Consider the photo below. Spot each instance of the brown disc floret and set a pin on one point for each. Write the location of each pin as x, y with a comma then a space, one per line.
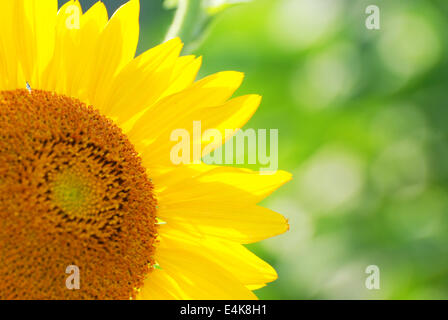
73, 191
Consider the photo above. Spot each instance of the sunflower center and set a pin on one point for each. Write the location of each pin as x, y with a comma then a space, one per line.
73, 191
72, 194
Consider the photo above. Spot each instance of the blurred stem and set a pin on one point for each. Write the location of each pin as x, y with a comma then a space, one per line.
189, 23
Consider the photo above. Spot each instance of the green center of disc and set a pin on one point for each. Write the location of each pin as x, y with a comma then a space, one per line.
72, 194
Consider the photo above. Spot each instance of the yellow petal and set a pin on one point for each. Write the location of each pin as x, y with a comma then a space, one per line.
152, 132
232, 115
44, 22
234, 257
141, 82
33, 29
221, 203
242, 224
25, 40
200, 278
184, 74
255, 286
95, 19
9, 63
226, 119
115, 48
71, 67
160, 286
161, 119
55, 74
165, 177
245, 185
80, 67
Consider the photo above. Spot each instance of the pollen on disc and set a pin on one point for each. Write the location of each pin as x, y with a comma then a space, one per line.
73, 191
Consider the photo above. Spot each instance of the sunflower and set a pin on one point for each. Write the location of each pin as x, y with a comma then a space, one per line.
85, 173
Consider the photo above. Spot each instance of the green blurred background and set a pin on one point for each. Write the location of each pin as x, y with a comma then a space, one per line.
362, 126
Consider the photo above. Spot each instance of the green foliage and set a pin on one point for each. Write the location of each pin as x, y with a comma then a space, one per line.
362, 125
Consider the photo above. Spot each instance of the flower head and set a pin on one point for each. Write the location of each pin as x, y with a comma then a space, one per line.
85, 171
